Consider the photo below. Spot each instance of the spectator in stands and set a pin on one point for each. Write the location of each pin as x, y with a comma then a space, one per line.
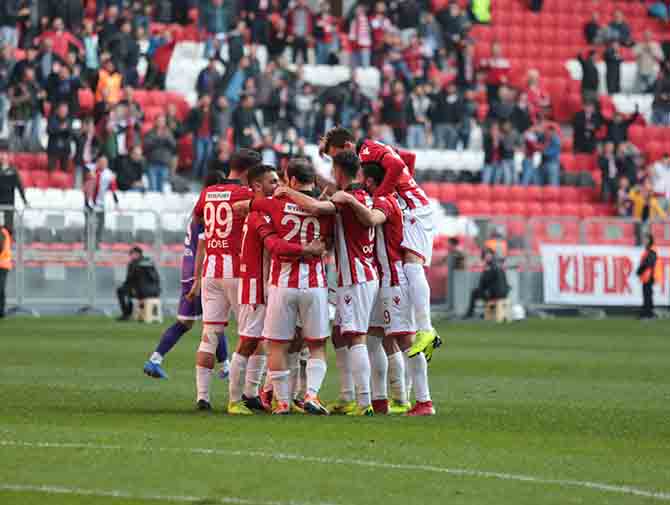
46, 59
26, 99
100, 181
7, 63
491, 172
122, 131
10, 183
536, 5
110, 24
586, 124
278, 37
125, 52
539, 101
590, 76
325, 120
300, 29
619, 31
533, 140
649, 274
660, 177
630, 162
613, 60
521, 117
445, 115
660, 108
110, 81
360, 35
200, 123
497, 69
382, 28
551, 165
659, 10
173, 122
208, 79
235, 84
131, 174
88, 149
609, 168
247, 131
90, 41
592, 30
492, 283
220, 162
160, 148
29, 32
417, 118
216, 17
61, 40
305, 114
430, 32
480, 11
617, 127
63, 87
503, 109
269, 152
624, 205
510, 143
9, 16
61, 136
454, 25
161, 60
394, 113
645, 205
648, 55
142, 281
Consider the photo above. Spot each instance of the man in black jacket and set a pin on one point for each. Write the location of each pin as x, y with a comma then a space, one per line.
61, 136
10, 181
492, 283
200, 122
585, 124
445, 113
646, 272
590, 77
245, 125
142, 281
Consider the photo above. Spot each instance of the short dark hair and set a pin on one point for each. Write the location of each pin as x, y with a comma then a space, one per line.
136, 250
302, 170
244, 159
259, 171
374, 171
650, 241
214, 177
349, 162
454, 241
337, 137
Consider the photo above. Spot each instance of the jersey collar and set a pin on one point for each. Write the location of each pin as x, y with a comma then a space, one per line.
232, 181
354, 187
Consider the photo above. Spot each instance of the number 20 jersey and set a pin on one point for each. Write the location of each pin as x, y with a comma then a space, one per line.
223, 229
296, 226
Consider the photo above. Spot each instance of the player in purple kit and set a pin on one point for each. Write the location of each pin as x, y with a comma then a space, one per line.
190, 308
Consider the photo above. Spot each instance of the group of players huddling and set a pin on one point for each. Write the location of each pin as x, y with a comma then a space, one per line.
256, 247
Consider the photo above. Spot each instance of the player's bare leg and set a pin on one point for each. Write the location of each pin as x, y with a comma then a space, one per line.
379, 367
316, 372
345, 402
360, 364
278, 372
419, 296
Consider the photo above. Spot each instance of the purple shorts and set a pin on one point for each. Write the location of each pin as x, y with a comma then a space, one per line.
189, 310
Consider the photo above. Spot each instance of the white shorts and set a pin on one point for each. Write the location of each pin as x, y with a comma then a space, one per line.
250, 321
285, 305
219, 299
354, 306
393, 312
418, 230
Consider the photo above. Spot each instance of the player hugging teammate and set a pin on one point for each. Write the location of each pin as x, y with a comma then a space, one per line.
263, 250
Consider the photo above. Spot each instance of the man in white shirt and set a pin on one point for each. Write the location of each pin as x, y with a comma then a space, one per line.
660, 177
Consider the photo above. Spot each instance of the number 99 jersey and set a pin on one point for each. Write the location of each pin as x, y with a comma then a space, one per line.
223, 229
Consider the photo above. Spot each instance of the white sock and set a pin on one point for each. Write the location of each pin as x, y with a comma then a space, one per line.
252, 380
419, 369
156, 358
397, 377
280, 385
316, 372
294, 369
238, 367
203, 377
379, 368
408, 374
360, 365
419, 294
343, 362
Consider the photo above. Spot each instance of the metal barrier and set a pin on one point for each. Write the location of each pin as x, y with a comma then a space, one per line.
73, 260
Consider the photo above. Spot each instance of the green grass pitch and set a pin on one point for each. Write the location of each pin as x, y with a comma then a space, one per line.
535, 413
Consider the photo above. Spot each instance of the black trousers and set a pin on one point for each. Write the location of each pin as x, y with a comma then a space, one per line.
9, 219
647, 300
3, 284
474, 296
125, 301
300, 46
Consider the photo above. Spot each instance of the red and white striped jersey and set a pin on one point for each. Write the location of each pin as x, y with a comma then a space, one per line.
389, 237
296, 226
354, 243
223, 229
398, 178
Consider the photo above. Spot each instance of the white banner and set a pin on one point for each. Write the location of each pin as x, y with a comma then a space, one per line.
599, 275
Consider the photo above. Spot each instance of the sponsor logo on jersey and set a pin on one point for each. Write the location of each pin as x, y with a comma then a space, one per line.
365, 151
218, 196
292, 208
347, 299
396, 300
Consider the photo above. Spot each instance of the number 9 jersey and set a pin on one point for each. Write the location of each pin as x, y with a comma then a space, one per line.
223, 229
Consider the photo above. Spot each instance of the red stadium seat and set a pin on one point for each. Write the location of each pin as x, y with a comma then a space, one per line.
447, 192
569, 194
552, 209
586, 210
517, 209
500, 193
570, 209
517, 193
483, 208
466, 191
39, 179
499, 208
533, 194
551, 194
484, 193
466, 208
432, 189
533, 209
61, 180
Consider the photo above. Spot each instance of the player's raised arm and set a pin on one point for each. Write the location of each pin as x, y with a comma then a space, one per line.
308, 203
393, 166
366, 216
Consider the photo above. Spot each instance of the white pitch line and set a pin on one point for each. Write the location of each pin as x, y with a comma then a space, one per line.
226, 500
598, 486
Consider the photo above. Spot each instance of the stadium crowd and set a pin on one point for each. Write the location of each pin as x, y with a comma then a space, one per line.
435, 90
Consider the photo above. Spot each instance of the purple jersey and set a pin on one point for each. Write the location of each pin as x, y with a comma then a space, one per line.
193, 233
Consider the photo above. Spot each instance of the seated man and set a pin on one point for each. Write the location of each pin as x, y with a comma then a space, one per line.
142, 281
492, 283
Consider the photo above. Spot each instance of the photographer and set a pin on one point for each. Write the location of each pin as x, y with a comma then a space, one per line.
492, 283
142, 281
